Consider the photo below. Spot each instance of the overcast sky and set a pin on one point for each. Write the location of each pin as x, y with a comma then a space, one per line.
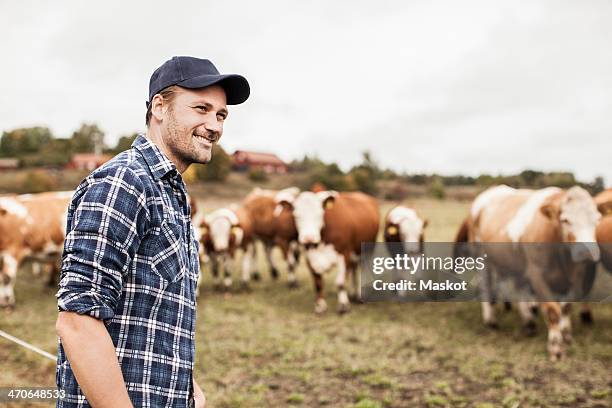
426, 86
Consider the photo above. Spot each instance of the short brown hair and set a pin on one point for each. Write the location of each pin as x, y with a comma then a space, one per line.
167, 94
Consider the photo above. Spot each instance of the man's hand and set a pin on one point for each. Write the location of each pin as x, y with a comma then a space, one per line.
93, 360
198, 395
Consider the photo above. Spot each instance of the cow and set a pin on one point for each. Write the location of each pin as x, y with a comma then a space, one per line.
331, 227
223, 233
32, 226
603, 232
403, 224
549, 216
273, 225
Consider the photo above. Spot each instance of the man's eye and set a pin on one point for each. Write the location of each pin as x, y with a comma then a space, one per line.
221, 117
202, 108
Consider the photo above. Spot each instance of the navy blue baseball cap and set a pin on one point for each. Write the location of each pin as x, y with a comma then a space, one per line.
193, 73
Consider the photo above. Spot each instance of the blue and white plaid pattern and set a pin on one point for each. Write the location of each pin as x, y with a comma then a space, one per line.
131, 259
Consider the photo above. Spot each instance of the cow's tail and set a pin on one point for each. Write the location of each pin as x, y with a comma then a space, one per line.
462, 237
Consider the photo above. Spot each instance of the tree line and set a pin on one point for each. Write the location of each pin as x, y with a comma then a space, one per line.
37, 147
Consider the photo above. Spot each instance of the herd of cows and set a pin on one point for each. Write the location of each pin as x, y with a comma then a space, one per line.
328, 227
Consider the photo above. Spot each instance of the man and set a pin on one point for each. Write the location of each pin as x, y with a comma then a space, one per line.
130, 263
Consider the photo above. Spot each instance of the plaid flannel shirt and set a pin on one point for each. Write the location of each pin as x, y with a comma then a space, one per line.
131, 260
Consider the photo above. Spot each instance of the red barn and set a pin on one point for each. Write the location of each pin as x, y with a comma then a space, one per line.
87, 161
268, 162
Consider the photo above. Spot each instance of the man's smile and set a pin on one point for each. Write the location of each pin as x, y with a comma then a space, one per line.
207, 139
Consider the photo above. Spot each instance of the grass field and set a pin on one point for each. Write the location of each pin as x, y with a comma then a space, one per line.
266, 348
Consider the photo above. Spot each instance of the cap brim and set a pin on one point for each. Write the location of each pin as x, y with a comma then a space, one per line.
237, 89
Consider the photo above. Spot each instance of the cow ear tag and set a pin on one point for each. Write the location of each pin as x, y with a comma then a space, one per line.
329, 204
235, 229
392, 230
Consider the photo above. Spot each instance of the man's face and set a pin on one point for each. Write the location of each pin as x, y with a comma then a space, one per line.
193, 122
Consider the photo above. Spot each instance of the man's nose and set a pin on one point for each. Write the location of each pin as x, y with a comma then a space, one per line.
215, 126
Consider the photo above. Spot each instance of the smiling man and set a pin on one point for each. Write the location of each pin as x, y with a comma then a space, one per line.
126, 300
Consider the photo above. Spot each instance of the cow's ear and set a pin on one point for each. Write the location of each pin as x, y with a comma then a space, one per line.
603, 208
329, 202
3, 211
328, 198
283, 205
550, 211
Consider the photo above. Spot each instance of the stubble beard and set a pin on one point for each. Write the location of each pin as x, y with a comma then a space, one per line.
180, 142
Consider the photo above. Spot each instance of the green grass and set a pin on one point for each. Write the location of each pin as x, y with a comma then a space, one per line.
266, 348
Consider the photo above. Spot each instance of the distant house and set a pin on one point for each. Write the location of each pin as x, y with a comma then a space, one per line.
87, 161
268, 162
9, 163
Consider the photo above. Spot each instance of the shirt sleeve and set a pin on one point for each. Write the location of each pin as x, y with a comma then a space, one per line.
103, 234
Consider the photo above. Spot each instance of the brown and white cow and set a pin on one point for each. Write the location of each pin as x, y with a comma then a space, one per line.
223, 233
403, 224
332, 226
273, 225
31, 226
603, 233
551, 215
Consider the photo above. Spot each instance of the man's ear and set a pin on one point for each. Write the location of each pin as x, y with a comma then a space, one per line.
158, 107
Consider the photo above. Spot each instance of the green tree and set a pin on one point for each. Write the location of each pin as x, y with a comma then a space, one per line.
598, 185
56, 153
331, 176
258, 176
436, 188
19, 142
217, 169
366, 174
87, 138
125, 142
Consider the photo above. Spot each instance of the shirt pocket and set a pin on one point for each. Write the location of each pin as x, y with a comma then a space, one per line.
171, 258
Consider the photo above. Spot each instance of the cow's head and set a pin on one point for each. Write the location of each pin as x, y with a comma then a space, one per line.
404, 225
223, 230
308, 212
576, 214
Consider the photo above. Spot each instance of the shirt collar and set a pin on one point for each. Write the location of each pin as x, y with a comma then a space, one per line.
157, 161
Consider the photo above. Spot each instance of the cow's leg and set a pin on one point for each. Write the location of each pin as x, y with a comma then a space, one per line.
552, 314
273, 268
53, 274
355, 295
215, 269
8, 275
586, 316
320, 304
292, 253
529, 324
227, 271
343, 300
565, 323
36, 268
247, 260
198, 284
488, 311
255, 275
